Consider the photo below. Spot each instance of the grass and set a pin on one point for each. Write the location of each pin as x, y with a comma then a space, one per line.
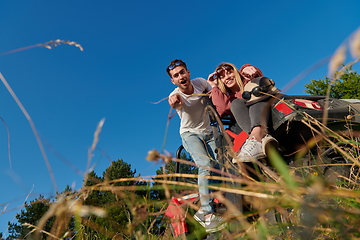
278, 200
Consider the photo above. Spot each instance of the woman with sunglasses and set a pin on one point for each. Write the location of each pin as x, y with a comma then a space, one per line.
227, 95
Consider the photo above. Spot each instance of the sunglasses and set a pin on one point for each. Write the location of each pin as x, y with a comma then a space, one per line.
174, 65
256, 91
222, 70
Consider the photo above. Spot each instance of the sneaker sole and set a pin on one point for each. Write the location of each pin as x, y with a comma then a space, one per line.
216, 229
248, 159
202, 223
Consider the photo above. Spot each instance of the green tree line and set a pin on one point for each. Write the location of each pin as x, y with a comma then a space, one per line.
125, 210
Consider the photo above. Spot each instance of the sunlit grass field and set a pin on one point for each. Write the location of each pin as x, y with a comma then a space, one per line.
277, 199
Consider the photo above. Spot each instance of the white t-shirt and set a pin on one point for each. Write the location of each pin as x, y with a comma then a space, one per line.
192, 114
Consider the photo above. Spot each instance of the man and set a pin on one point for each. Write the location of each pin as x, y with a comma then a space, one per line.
196, 134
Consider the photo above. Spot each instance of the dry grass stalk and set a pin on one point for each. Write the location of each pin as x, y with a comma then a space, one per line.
337, 60
92, 148
37, 136
355, 44
8, 147
35, 228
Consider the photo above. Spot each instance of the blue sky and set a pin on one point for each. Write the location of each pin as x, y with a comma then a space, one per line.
121, 72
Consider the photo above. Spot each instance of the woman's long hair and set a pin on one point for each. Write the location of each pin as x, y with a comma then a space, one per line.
238, 79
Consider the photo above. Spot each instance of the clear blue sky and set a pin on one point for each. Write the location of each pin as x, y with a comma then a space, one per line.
127, 46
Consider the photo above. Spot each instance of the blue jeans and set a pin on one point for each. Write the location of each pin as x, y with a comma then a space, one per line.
201, 147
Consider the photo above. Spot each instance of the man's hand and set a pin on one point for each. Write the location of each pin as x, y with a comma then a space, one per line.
175, 101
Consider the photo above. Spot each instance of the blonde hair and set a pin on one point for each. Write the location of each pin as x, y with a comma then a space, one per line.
238, 78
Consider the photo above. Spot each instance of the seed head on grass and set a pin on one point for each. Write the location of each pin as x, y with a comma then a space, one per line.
154, 155
55, 43
336, 61
355, 44
49, 45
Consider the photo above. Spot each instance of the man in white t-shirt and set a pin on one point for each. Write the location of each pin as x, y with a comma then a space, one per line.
196, 134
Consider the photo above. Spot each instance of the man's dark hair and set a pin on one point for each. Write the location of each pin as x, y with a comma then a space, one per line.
175, 63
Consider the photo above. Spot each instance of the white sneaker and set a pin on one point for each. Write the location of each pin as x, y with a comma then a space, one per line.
267, 142
251, 150
211, 223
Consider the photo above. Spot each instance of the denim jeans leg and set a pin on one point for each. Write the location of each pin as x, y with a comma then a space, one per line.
197, 145
211, 147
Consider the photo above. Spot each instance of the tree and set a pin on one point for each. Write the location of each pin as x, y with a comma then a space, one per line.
347, 87
126, 202
170, 168
116, 208
126, 211
31, 214
174, 167
117, 170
